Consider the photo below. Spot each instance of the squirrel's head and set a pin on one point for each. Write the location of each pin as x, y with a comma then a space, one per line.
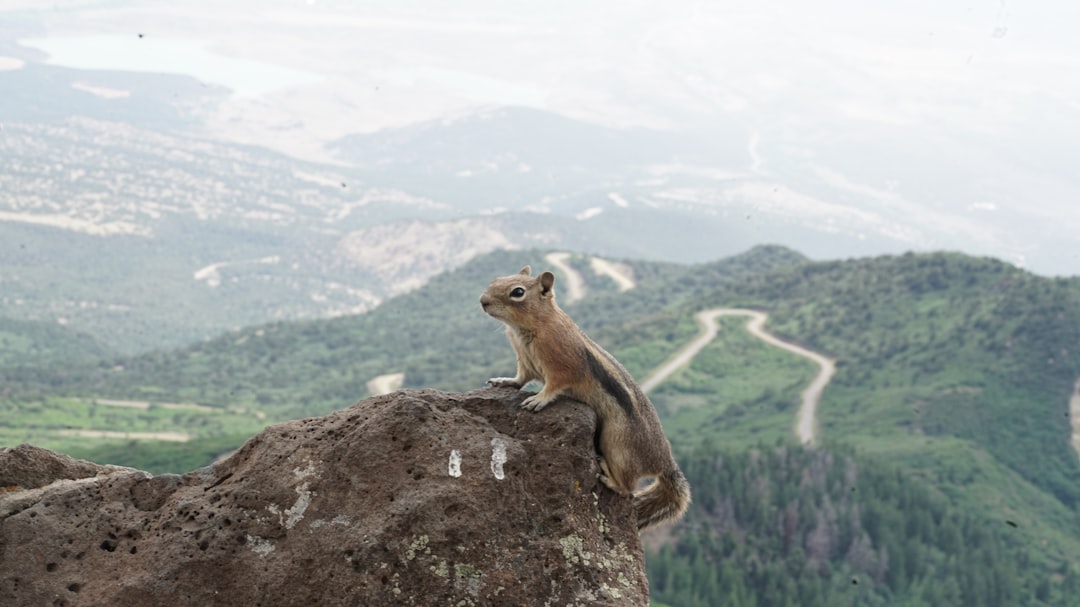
514, 299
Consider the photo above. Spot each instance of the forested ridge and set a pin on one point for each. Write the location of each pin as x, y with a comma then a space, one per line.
437, 336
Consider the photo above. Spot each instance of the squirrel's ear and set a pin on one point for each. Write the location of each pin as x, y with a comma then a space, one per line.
547, 280
526, 271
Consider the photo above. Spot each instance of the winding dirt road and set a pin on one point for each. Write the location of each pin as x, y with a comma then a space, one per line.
575, 284
805, 427
616, 272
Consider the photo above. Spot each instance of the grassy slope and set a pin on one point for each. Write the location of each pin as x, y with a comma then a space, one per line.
437, 336
160, 457
738, 391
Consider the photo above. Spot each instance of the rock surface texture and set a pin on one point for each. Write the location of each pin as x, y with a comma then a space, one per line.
413, 498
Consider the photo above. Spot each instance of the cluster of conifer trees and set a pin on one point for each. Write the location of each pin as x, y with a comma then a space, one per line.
786, 526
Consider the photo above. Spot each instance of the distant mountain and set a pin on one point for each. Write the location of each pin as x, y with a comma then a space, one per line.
522, 158
138, 228
690, 195
150, 238
517, 139
131, 225
45, 93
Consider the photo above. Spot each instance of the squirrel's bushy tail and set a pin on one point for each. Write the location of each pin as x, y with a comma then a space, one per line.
666, 499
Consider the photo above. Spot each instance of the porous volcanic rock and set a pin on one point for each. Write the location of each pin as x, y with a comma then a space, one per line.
412, 498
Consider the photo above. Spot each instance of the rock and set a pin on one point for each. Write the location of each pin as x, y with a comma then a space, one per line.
413, 498
30, 467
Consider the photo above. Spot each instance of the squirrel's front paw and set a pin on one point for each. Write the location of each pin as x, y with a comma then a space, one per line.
504, 382
537, 401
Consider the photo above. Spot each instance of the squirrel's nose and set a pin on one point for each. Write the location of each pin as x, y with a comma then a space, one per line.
484, 300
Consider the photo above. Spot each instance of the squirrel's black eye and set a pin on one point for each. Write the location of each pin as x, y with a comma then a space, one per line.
517, 293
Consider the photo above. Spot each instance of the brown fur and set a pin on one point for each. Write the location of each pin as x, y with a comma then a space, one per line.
552, 349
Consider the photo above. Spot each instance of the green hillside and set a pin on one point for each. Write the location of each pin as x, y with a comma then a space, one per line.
959, 367
941, 345
437, 336
26, 344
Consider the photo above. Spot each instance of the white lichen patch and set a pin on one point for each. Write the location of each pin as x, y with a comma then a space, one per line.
293, 515
455, 463
260, 545
304, 473
498, 457
296, 513
340, 519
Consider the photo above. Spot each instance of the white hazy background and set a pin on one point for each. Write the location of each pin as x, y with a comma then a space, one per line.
959, 116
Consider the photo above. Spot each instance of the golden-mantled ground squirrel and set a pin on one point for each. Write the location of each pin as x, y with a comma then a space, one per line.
552, 349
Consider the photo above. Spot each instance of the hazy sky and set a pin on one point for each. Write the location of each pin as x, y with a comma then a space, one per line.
965, 115
896, 61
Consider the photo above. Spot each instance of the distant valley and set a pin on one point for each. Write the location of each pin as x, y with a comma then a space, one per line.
147, 238
129, 222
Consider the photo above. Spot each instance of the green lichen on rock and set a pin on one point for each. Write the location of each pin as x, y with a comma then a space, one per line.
441, 569
420, 544
466, 571
612, 592
574, 550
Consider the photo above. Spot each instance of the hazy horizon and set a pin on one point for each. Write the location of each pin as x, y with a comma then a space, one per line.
944, 124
